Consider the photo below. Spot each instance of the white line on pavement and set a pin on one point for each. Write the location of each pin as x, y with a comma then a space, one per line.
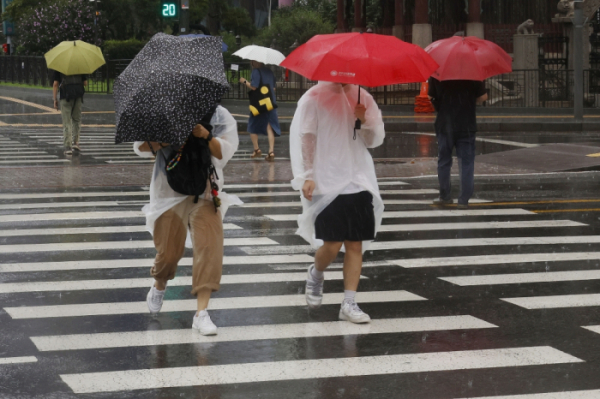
250, 333
112, 381
496, 259
182, 305
524, 278
432, 214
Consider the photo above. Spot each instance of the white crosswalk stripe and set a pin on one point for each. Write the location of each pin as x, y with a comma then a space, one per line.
249, 333
270, 301
309, 369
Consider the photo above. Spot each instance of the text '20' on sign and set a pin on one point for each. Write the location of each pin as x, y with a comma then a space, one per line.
170, 9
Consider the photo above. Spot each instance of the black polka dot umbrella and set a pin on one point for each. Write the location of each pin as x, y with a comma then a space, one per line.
167, 89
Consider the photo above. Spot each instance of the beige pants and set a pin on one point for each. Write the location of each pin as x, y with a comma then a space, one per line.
71, 117
206, 228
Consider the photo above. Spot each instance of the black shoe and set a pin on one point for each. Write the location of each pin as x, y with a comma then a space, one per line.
440, 201
462, 206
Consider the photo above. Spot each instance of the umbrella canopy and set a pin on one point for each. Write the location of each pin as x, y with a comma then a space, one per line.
168, 87
365, 59
224, 46
75, 58
468, 58
261, 54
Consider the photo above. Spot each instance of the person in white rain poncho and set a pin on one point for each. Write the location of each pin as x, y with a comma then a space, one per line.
335, 172
170, 214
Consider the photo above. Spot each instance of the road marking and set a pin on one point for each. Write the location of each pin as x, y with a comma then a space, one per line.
115, 245
183, 305
37, 217
566, 210
299, 204
432, 213
314, 369
127, 283
88, 230
75, 195
594, 394
26, 157
252, 333
30, 104
524, 278
42, 205
574, 201
15, 360
449, 243
495, 259
149, 262
22, 161
480, 225
555, 301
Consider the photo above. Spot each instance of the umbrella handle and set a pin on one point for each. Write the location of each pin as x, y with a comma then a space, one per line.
357, 123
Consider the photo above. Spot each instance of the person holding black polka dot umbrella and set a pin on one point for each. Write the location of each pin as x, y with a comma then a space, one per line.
167, 102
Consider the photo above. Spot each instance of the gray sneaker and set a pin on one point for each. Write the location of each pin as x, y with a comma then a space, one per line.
440, 201
154, 299
313, 290
350, 311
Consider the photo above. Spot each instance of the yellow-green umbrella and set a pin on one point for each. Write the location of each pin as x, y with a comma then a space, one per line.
75, 58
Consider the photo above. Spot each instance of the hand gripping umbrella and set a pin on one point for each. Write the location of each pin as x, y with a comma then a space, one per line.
365, 59
167, 89
468, 58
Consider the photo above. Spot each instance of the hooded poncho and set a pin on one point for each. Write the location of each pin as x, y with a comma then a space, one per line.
322, 149
162, 196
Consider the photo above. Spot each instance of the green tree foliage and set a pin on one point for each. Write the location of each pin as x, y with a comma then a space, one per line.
238, 21
139, 19
46, 26
291, 24
122, 49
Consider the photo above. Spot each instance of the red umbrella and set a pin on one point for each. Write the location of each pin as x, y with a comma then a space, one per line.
365, 59
468, 58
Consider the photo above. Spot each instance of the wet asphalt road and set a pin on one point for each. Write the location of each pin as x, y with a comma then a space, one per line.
501, 299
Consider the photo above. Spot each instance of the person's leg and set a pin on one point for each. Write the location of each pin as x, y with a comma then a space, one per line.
465, 151
271, 135
65, 112
169, 241
444, 165
206, 227
349, 310
315, 278
352, 264
326, 254
257, 152
76, 121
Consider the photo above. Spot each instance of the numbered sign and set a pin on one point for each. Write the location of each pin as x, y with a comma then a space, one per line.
170, 9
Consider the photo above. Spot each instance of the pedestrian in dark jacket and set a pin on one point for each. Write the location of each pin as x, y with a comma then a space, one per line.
455, 127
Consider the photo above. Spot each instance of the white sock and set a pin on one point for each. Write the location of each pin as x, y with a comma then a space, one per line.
349, 295
202, 313
317, 275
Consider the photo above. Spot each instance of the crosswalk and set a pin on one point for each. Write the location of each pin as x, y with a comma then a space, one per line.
446, 289
26, 146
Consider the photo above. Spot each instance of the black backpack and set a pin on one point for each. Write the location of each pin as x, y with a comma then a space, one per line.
72, 87
190, 167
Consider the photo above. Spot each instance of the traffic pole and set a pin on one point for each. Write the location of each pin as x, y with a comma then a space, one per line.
578, 62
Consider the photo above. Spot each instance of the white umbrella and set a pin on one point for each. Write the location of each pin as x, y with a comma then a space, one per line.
261, 54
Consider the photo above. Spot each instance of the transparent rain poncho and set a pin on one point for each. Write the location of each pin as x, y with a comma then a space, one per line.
322, 149
162, 196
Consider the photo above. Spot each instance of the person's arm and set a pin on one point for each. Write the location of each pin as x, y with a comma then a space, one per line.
155, 146
247, 84
372, 130
254, 80
481, 93
213, 145
55, 94
309, 145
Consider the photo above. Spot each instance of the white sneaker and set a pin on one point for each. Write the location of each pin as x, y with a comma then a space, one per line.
154, 299
204, 324
313, 290
351, 312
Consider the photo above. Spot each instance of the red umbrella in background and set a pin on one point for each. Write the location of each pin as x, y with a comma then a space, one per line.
364, 59
468, 58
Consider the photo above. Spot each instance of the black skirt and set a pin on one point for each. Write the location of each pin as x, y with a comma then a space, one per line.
349, 217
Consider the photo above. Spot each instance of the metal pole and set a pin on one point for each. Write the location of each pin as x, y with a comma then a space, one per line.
578, 62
